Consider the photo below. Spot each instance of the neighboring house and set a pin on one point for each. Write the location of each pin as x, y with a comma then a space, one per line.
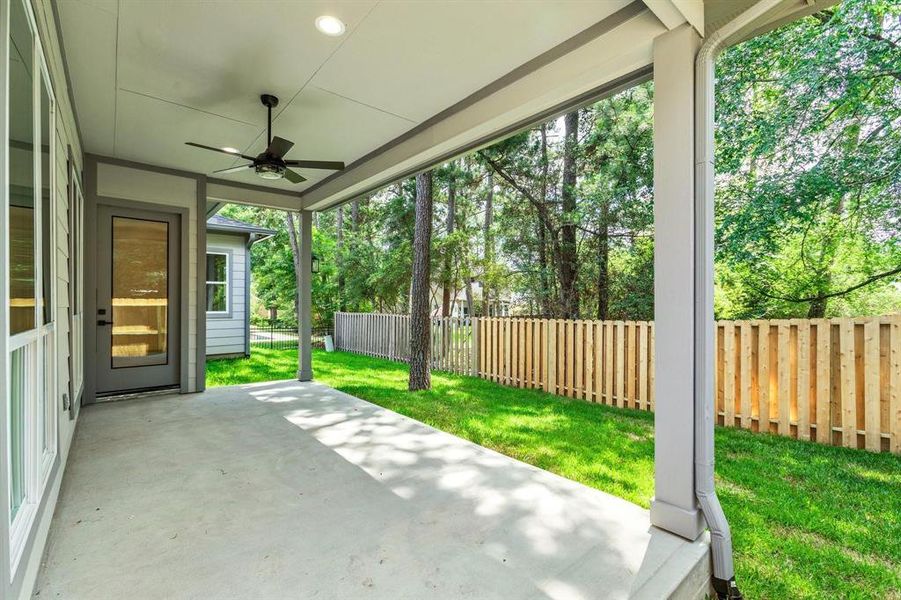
498, 307
228, 245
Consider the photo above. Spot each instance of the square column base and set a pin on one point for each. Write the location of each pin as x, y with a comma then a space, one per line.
304, 375
689, 524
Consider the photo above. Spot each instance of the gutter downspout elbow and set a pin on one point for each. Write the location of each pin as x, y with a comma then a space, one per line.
720, 535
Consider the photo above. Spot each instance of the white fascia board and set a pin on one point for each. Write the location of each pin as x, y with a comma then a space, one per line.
622, 50
236, 193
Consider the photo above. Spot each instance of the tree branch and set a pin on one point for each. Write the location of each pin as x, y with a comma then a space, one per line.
863, 283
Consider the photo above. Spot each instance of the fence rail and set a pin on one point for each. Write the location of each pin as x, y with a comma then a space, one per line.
835, 381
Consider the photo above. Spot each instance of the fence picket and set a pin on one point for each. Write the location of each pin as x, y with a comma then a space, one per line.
784, 375
728, 374
608, 363
747, 356
823, 386
620, 377
763, 377
804, 387
550, 365
894, 413
848, 383
589, 361
871, 385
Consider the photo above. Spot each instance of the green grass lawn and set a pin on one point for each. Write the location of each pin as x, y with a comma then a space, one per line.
808, 521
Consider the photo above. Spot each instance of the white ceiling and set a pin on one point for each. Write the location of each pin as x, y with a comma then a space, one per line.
149, 76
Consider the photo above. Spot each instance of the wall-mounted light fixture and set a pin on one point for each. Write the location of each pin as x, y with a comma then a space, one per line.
314, 263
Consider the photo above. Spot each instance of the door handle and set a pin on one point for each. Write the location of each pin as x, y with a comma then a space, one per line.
102, 322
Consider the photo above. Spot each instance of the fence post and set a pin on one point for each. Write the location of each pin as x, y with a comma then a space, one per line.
894, 415
474, 346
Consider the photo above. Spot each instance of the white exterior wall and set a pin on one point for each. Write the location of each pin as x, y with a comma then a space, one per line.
226, 334
116, 181
20, 583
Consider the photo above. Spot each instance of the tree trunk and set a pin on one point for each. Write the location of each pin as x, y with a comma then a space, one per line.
420, 332
339, 248
295, 255
469, 306
447, 275
817, 308
355, 214
544, 291
603, 264
568, 269
488, 238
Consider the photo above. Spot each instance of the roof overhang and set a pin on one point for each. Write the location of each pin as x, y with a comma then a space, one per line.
147, 78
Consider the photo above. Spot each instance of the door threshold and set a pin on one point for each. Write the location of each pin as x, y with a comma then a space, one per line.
135, 394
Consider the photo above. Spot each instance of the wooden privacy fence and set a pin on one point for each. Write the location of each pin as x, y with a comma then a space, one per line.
835, 381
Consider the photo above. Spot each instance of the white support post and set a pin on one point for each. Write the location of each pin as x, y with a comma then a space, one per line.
304, 298
674, 507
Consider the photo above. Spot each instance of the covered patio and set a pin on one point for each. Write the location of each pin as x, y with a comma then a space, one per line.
270, 489
291, 489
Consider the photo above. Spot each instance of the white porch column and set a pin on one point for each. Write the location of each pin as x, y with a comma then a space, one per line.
674, 507
304, 298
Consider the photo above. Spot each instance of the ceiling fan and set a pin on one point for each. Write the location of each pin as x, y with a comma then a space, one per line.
271, 164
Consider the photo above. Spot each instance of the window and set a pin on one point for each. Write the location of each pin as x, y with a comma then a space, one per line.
31, 232
217, 292
22, 293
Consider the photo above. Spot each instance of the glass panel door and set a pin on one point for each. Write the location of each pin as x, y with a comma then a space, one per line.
140, 302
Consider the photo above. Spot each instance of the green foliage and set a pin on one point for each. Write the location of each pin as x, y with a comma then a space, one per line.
808, 133
808, 521
809, 165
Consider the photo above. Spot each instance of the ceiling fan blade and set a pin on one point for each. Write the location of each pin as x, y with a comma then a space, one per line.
316, 164
294, 177
196, 145
234, 169
279, 147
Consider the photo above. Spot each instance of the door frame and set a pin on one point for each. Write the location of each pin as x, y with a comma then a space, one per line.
93, 201
146, 375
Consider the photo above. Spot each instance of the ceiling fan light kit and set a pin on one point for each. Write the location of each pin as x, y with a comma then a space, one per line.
271, 163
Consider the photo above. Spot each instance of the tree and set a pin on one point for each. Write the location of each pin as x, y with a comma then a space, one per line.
809, 166
420, 323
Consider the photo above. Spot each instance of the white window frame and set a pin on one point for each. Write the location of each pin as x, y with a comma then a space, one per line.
76, 282
226, 283
38, 343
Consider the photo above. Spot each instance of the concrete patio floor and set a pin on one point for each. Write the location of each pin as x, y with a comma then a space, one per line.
295, 490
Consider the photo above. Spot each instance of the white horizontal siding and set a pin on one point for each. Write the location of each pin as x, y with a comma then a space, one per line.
226, 335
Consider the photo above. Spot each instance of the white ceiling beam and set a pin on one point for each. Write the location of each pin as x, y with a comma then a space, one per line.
673, 13
234, 192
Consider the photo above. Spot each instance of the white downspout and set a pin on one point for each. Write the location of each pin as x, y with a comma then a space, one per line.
721, 538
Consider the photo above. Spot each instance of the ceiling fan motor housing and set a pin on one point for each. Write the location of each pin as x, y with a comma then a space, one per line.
269, 169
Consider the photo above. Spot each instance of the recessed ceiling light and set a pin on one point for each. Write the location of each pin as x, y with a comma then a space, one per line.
330, 25
232, 150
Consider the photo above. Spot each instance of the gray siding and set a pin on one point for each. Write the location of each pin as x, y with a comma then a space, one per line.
225, 334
